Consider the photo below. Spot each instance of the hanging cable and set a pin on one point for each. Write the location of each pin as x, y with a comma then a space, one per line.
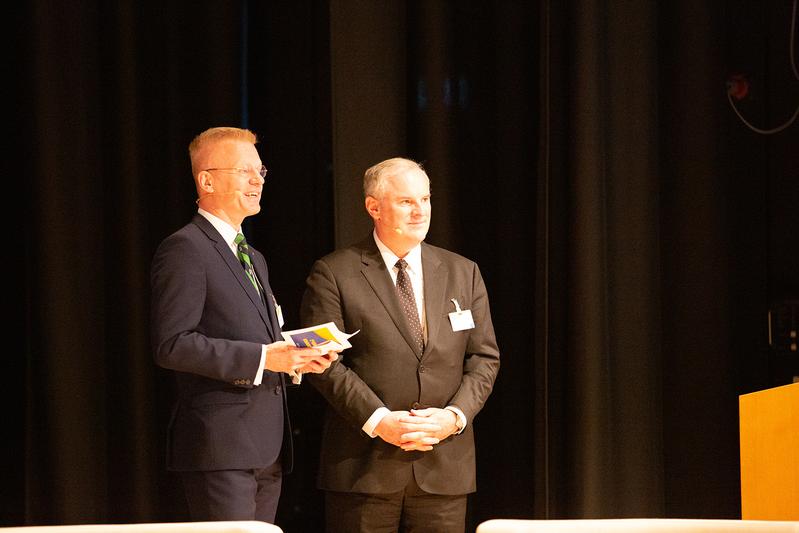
738, 87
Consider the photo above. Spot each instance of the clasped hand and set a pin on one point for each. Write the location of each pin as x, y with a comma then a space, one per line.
283, 356
418, 429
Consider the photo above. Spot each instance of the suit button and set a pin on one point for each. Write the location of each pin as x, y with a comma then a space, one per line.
422, 368
278, 389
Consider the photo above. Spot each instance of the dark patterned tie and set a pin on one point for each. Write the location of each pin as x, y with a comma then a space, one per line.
246, 262
408, 303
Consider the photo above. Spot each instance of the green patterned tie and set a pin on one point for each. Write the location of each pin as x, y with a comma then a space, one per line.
246, 262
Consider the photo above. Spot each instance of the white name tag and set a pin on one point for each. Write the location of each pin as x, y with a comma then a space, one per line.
460, 319
278, 312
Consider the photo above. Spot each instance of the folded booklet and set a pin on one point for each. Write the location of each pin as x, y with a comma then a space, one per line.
326, 336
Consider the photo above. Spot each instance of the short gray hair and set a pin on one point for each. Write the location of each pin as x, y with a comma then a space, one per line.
375, 177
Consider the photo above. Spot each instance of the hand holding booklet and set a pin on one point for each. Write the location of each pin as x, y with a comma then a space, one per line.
325, 336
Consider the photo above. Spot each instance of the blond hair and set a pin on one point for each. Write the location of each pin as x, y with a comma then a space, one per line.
213, 136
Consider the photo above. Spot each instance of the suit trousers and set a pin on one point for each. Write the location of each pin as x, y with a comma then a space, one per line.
233, 494
411, 510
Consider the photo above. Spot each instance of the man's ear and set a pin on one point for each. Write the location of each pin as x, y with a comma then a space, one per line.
205, 181
372, 207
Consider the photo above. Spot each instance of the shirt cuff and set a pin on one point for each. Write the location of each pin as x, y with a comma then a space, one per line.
259, 376
374, 420
460, 415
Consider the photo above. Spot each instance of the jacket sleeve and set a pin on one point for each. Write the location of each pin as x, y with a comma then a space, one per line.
344, 390
190, 332
481, 363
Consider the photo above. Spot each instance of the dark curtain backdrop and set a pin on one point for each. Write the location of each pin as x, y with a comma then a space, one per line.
114, 94
659, 215
601, 360
632, 232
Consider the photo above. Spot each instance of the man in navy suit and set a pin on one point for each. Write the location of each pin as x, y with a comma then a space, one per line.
216, 324
398, 444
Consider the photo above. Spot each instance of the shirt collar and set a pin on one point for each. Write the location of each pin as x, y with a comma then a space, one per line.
227, 231
413, 258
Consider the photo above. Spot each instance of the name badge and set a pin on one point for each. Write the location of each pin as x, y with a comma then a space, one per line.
278, 312
460, 319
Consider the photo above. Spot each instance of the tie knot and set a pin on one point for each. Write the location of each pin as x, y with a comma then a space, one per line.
240, 240
401, 264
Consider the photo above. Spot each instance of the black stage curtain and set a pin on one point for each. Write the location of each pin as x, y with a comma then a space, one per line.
114, 93
600, 328
658, 224
631, 230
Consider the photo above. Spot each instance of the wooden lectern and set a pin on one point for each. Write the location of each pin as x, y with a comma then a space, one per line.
769, 424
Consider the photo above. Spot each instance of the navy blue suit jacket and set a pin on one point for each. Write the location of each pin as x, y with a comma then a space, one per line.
208, 325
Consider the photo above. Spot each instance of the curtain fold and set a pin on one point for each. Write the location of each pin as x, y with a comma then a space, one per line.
109, 180
600, 338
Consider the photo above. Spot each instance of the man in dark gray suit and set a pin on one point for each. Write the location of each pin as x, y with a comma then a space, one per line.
216, 324
397, 448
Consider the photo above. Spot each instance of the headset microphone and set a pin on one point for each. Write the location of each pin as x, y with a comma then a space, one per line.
197, 201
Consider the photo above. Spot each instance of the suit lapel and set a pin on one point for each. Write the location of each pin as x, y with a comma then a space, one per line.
374, 270
269, 298
226, 254
435, 275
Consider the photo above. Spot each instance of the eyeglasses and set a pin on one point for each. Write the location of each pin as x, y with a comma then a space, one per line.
243, 172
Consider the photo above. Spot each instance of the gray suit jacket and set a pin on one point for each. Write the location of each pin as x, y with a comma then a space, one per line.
353, 288
208, 325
